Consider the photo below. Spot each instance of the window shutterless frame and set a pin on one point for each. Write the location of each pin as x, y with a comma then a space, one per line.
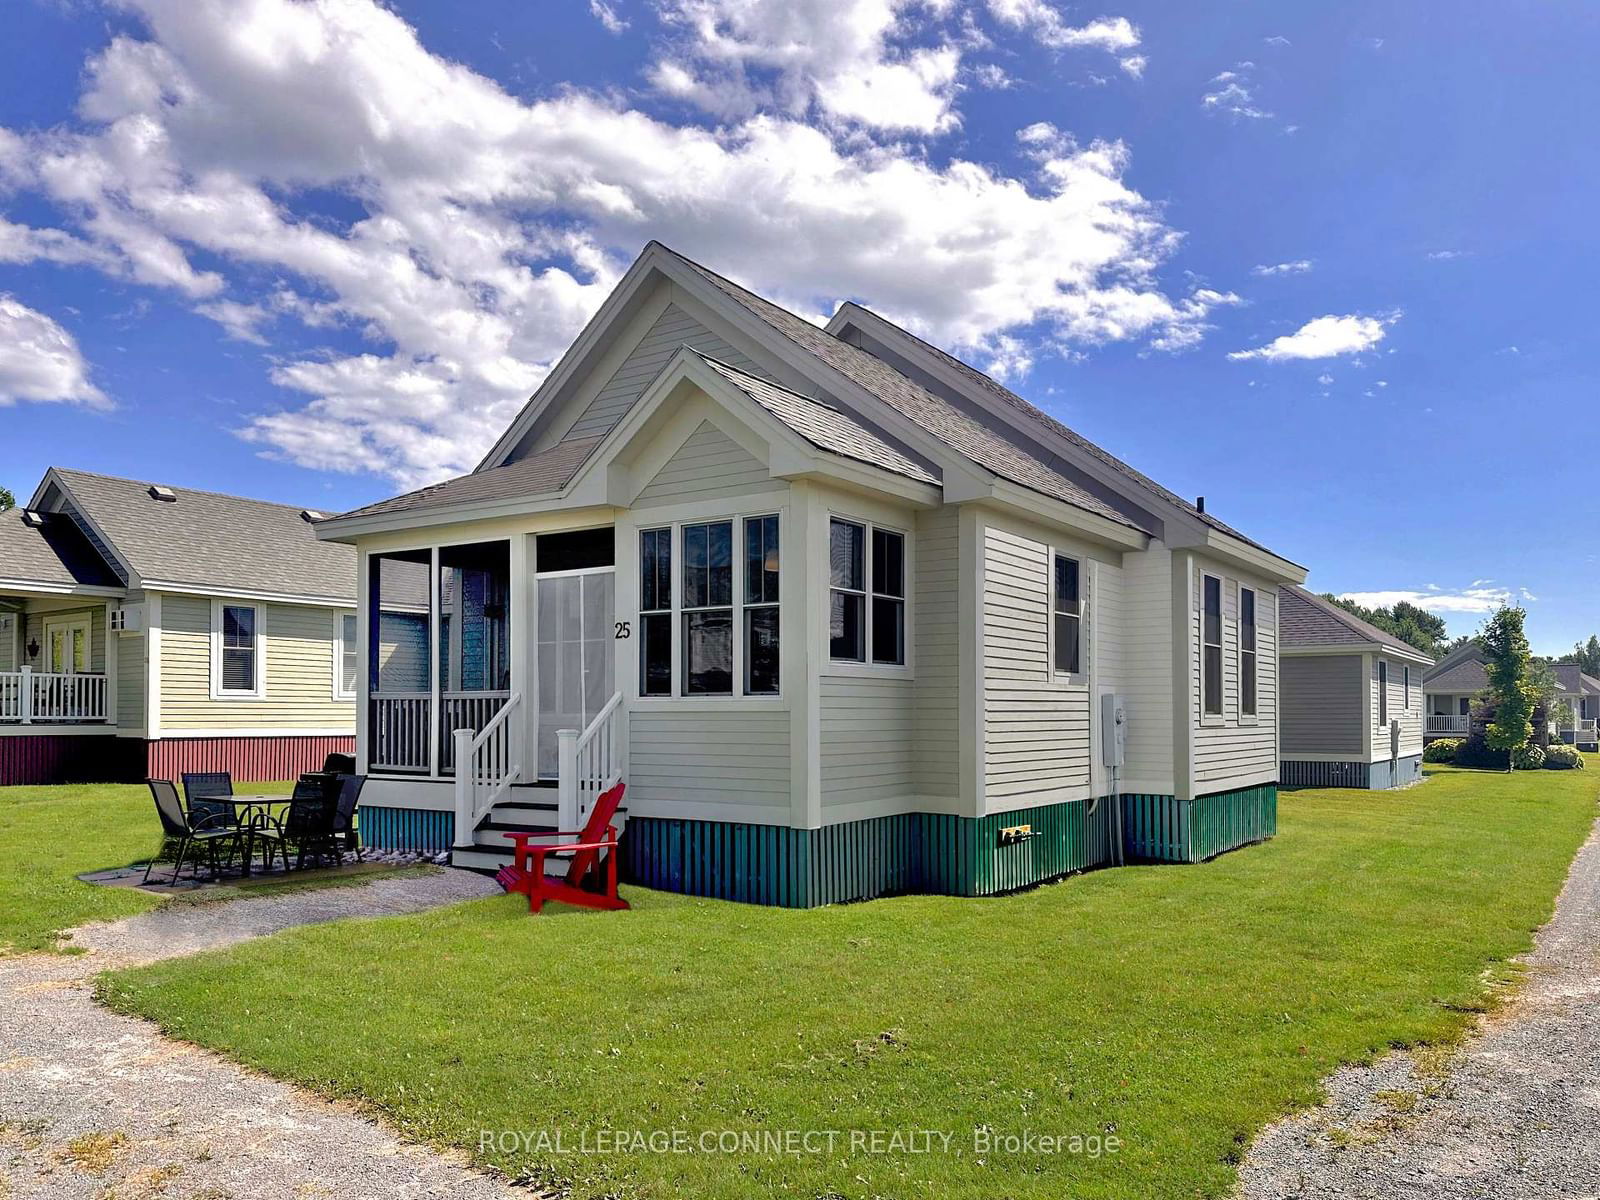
709, 625
1211, 645
346, 657
867, 573
1066, 615
1383, 692
1405, 679
1247, 652
238, 651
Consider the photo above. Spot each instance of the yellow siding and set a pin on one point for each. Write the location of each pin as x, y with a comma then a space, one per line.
299, 671
130, 680
44, 612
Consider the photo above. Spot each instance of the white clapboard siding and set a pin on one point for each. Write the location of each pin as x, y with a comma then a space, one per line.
1410, 719
866, 739
1036, 732
1147, 687
299, 671
725, 757
936, 599
708, 465
1235, 753
672, 329
1323, 707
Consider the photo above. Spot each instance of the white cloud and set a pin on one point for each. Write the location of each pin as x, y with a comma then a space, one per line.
1233, 92
1323, 337
1276, 40
606, 14
1446, 255
1475, 599
1325, 379
41, 361
1134, 64
1298, 267
491, 228
1046, 24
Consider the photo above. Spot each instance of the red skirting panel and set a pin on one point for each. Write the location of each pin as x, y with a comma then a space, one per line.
245, 758
57, 758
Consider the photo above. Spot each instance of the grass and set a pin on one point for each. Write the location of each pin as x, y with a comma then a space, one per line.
50, 835
1175, 1009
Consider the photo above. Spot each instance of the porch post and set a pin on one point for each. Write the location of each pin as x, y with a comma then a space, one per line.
466, 818
521, 651
27, 694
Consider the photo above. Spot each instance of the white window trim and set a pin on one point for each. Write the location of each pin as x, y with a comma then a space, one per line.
78, 623
1250, 718
339, 648
851, 666
1405, 679
1080, 677
217, 691
737, 699
1382, 710
1220, 717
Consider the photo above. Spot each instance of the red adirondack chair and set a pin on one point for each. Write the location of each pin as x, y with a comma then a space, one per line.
526, 874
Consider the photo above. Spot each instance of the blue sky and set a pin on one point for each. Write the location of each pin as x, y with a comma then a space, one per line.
1330, 265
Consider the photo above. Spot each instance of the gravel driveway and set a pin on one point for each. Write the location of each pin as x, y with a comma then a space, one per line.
1516, 1114
93, 1104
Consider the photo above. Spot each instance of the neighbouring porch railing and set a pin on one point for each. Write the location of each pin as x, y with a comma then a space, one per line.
400, 726
488, 766
589, 762
1450, 723
1584, 728
28, 697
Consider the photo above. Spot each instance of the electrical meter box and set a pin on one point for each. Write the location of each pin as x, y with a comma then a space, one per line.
1113, 730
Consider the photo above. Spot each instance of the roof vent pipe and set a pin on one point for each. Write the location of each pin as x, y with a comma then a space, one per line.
1200, 503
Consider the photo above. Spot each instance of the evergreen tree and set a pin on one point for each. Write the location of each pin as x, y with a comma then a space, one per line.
1511, 685
7, 500
1412, 625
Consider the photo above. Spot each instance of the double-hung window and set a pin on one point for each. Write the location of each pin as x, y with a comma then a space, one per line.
1066, 616
346, 661
1211, 638
1383, 693
1405, 680
866, 594
1247, 652
236, 666
722, 603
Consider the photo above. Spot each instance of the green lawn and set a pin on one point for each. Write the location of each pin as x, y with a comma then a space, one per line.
50, 835
1176, 1008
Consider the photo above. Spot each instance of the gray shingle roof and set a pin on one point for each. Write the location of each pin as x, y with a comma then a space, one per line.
212, 540
1039, 417
1306, 620
1574, 682
821, 424
56, 553
535, 475
1467, 675
933, 413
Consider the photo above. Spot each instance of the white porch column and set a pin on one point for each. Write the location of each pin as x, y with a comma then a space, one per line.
27, 694
524, 642
567, 773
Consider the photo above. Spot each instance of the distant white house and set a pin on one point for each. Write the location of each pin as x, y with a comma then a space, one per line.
849, 617
148, 630
1453, 684
1352, 698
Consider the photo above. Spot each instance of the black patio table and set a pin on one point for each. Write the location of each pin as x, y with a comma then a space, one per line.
252, 804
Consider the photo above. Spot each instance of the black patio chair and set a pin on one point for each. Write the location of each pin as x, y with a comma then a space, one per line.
208, 795
344, 813
188, 831
306, 826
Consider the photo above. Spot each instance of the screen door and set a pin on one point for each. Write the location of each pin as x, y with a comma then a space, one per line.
575, 617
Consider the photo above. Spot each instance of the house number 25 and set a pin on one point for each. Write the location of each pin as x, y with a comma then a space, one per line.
623, 630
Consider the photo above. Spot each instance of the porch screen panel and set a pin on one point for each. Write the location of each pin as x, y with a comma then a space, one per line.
474, 640
559, 615
400, 696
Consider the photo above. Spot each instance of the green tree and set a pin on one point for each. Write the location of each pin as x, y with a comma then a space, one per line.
1515, 692
1412, 625
7, 500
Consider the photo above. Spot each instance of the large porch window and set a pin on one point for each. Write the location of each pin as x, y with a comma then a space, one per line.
439, 652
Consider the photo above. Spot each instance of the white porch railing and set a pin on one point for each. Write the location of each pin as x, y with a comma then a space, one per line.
1583, 727
486, 767
28, 696
1451, 723
589, 762
398, 731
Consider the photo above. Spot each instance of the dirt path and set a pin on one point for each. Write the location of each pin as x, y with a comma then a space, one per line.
1516, 1114
93, 1104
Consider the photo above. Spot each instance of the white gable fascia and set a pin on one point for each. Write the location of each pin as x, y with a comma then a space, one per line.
52, 476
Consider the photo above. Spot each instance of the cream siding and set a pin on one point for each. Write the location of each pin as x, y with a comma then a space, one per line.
130, 680
1036, 729
1410, 718
1231, 751
713, 764
10, 631
936, 728
41, 613
1323, 705
1145, 616
672, 329
299, 671
867, 739
708, 465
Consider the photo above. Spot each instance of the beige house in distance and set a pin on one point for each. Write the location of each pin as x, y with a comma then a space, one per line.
148, 630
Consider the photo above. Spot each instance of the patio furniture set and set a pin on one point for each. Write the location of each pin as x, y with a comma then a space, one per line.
213, 824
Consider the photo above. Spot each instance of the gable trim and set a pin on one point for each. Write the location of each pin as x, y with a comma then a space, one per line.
121, 566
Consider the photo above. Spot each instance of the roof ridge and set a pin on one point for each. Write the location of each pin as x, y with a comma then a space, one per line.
149, 483
1350, 621
743, 374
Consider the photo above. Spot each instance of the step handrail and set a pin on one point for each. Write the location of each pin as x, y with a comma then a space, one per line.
588, 762
486, 766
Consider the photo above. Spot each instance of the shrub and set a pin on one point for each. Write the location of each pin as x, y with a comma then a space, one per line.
1475, 752
1441, 750
1528, 758
1563, 758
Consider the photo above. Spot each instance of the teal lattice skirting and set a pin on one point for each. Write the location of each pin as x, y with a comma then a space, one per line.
406, 828
933, 852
